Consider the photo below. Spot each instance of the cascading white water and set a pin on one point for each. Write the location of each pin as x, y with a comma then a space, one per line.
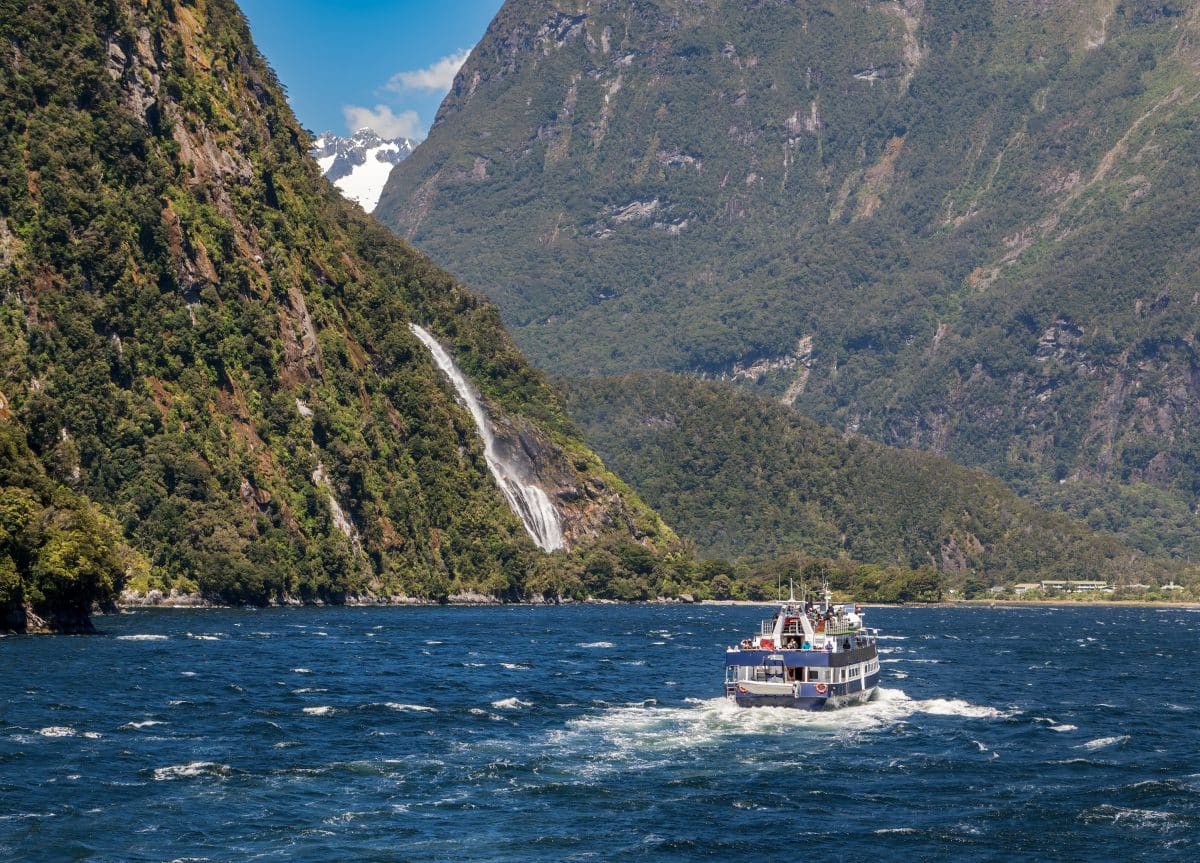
527, 500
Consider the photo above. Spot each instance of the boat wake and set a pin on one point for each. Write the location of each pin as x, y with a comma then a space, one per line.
649, 728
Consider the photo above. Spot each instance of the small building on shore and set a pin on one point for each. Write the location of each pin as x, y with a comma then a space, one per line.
1074, 586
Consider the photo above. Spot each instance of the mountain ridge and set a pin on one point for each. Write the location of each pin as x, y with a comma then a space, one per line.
206, 349
956, 227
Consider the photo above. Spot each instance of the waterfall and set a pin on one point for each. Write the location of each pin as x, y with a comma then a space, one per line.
527, 500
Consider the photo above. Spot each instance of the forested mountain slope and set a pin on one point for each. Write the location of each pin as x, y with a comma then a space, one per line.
205, 353
968, 227
747, 478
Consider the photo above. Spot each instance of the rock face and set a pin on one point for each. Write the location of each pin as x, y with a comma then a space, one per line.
360, 164
24, 620
978, 215
204, 350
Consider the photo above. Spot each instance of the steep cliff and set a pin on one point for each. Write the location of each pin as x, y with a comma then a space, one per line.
202, 339
964, 227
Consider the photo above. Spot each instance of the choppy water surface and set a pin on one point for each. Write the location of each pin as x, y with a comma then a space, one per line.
594, 733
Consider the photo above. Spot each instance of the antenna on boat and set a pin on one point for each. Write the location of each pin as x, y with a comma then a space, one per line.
791, 591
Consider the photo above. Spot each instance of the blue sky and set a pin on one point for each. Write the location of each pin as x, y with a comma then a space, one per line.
367, 62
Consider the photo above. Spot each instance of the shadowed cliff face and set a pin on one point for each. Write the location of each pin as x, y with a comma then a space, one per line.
959, 227
198, 335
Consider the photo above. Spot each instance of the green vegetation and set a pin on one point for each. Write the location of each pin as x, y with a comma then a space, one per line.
204, 350
58, 552
969, 228
743, 478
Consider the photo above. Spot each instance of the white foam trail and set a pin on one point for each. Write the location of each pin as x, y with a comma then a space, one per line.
323, 710
1064, 727
415, 708
202, 637
515, 666
644, 729
527, 500
57, 731
596, 644
145, 723
511, 704
1102, 742
958, 707
188, 771
142, 637
1153, 818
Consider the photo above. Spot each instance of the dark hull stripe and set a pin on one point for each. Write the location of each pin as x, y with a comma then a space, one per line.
808, 701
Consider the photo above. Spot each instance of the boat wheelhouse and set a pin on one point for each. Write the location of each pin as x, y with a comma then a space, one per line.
808, 656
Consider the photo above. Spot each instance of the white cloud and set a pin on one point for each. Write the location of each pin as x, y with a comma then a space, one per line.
435, 78
385, 121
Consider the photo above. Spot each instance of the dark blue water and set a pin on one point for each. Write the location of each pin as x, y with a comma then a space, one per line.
595, 733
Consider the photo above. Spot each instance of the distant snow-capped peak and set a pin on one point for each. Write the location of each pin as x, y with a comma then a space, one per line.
359, 165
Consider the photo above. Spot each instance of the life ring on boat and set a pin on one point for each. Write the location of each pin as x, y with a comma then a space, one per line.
821, 688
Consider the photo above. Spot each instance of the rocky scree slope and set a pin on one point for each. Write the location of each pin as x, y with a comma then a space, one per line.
201, 339
969, 228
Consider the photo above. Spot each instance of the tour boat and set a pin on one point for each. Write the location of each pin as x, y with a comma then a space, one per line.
808, 656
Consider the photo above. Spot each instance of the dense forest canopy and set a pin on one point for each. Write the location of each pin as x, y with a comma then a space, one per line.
748, 479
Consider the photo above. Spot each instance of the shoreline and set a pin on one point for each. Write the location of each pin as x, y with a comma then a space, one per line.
130, 602
1085, 603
